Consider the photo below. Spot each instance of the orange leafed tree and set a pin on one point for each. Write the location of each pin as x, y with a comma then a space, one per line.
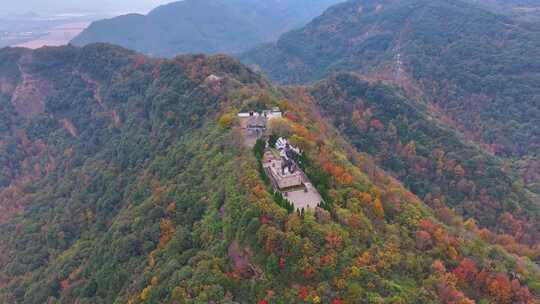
499, 288
167, 231
333, 239
365, 198
466, 271
378, 208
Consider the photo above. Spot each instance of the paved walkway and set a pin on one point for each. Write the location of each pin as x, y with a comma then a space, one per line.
302, 199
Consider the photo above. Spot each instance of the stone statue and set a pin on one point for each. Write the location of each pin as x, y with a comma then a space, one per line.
289, 164
287, 155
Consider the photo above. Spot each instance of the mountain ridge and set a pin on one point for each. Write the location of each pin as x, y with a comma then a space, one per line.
207, 26
417, 149
162, 202
480, 59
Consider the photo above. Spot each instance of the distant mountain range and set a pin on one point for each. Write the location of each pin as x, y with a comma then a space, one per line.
478, 68
528, 10
204, 26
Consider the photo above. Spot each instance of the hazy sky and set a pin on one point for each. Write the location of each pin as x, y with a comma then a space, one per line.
77, 6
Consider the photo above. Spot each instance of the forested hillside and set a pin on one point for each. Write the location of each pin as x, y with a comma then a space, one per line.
477, 70
451, 174
126, 181
204, 26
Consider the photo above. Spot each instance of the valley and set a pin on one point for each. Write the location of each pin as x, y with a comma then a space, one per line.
31, 30
203, 26
56, 36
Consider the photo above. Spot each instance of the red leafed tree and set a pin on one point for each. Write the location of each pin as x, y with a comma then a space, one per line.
466, 271
140, 60
499, 287
309, 272
333, 239
448, 294
376, 124
303, 292
510, 224
265, 219
326, 260
291, 116
427, 225
423, 240
521, 294
281, 263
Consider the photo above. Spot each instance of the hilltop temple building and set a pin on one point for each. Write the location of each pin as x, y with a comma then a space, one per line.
288, 178
255, 123
281, 178
279, 161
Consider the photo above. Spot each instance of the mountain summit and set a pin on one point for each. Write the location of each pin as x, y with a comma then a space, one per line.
126, 179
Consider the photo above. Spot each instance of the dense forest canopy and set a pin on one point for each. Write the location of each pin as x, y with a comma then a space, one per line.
127, 182
477, 68
432, 160
126, 178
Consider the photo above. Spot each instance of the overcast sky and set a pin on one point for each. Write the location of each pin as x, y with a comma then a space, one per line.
78, 6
